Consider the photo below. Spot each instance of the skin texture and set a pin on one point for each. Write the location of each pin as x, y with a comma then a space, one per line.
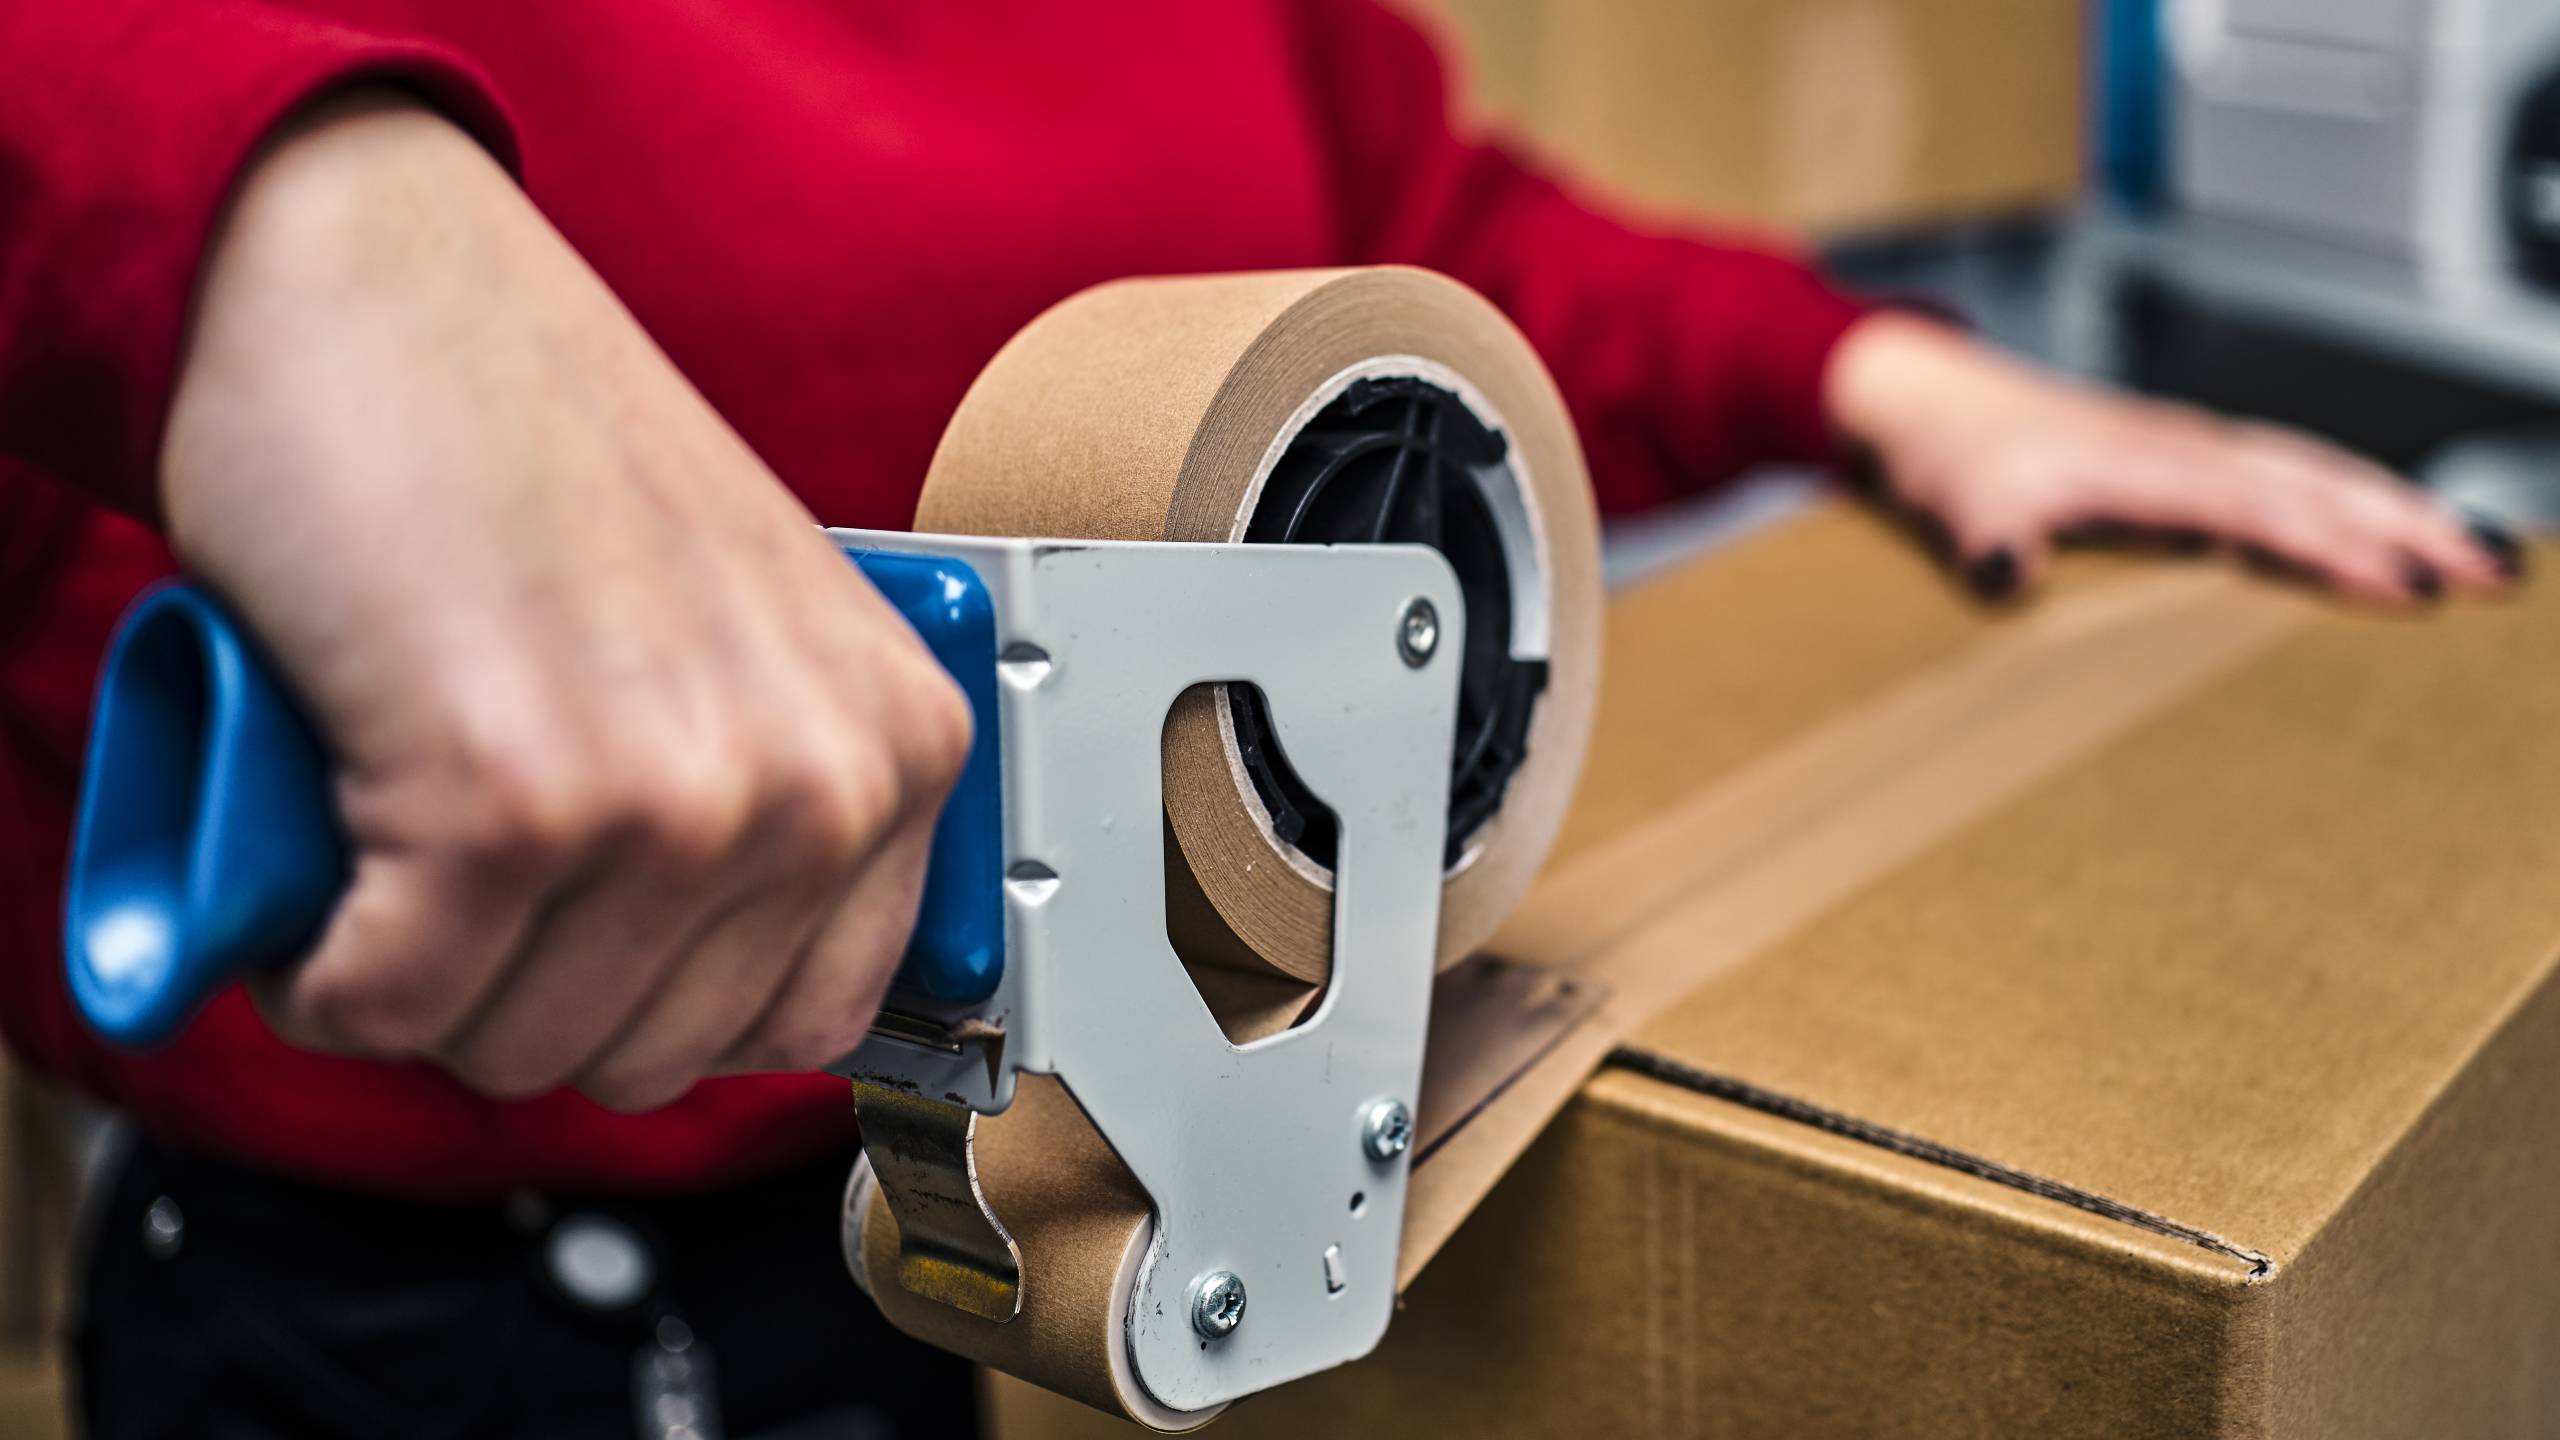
639, 774
2006, 458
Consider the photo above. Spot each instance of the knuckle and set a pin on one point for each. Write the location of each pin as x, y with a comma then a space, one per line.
636, 1091
950, 732
804, 1041
2283, 524
833, 810
939, 728
2364, 569
2373, 508
523, 810
544, 805
2188, 425
515, 783
367, 1010
2426, 524
509, 1076
680, 804
691, 816
823, 1022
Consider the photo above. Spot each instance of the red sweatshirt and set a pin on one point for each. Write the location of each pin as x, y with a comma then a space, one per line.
829, 215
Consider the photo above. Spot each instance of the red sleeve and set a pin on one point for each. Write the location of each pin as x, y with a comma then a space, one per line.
122, 126
1685, 357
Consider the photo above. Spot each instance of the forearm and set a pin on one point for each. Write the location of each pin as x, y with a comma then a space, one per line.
348, 193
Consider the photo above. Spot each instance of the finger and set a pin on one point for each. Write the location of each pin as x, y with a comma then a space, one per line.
2184, 479
822, 825
2305, 534
416, 943
2002, 542
2501, 545
2395, 513
723, 982
583, 970
660, 828
2220, 482
823, 1010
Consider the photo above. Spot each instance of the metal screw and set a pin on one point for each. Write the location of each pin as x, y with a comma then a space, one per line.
1386, 1131
1418, 633
1217, 1304
164, 1229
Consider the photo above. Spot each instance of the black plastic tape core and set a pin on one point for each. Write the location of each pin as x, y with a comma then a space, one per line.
1395, 461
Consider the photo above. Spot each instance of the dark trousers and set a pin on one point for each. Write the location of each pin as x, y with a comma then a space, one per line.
224, 1303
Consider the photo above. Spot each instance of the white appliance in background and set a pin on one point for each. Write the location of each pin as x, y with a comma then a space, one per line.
2387, 126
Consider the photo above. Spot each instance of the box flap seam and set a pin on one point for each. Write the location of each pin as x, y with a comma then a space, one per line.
1656, 1066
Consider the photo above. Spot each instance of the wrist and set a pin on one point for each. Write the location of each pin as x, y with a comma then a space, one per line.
338, 181
335, 212
1892, 373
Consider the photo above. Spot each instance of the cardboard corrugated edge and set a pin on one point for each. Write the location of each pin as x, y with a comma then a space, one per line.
2416, 1249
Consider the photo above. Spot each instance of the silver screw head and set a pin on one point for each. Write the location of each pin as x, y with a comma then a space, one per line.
1386, 1129
1217, 1304
1418, 633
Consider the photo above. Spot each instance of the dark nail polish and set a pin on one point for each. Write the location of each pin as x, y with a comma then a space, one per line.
2423, 581
1995, 575
2501, 543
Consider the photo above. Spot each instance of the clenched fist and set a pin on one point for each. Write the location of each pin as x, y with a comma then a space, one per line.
638, 772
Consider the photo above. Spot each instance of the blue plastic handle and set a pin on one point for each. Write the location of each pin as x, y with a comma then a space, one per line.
209, 846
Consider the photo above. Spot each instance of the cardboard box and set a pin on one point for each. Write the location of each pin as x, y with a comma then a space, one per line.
2187, 1074
1816, 114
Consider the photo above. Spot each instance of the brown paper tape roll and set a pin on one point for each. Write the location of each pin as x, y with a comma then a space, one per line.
1082, 1225
1158, 410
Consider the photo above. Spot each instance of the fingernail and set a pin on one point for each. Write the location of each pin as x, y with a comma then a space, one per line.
1995, 575
2423, 581
2501, 543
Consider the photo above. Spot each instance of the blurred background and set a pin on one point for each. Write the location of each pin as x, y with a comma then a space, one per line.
2339, 214
2342, 214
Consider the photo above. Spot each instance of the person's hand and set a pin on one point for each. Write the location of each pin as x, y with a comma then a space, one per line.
638, 772
2006, 459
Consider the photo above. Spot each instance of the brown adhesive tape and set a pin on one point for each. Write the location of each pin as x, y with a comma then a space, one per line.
1155, 410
